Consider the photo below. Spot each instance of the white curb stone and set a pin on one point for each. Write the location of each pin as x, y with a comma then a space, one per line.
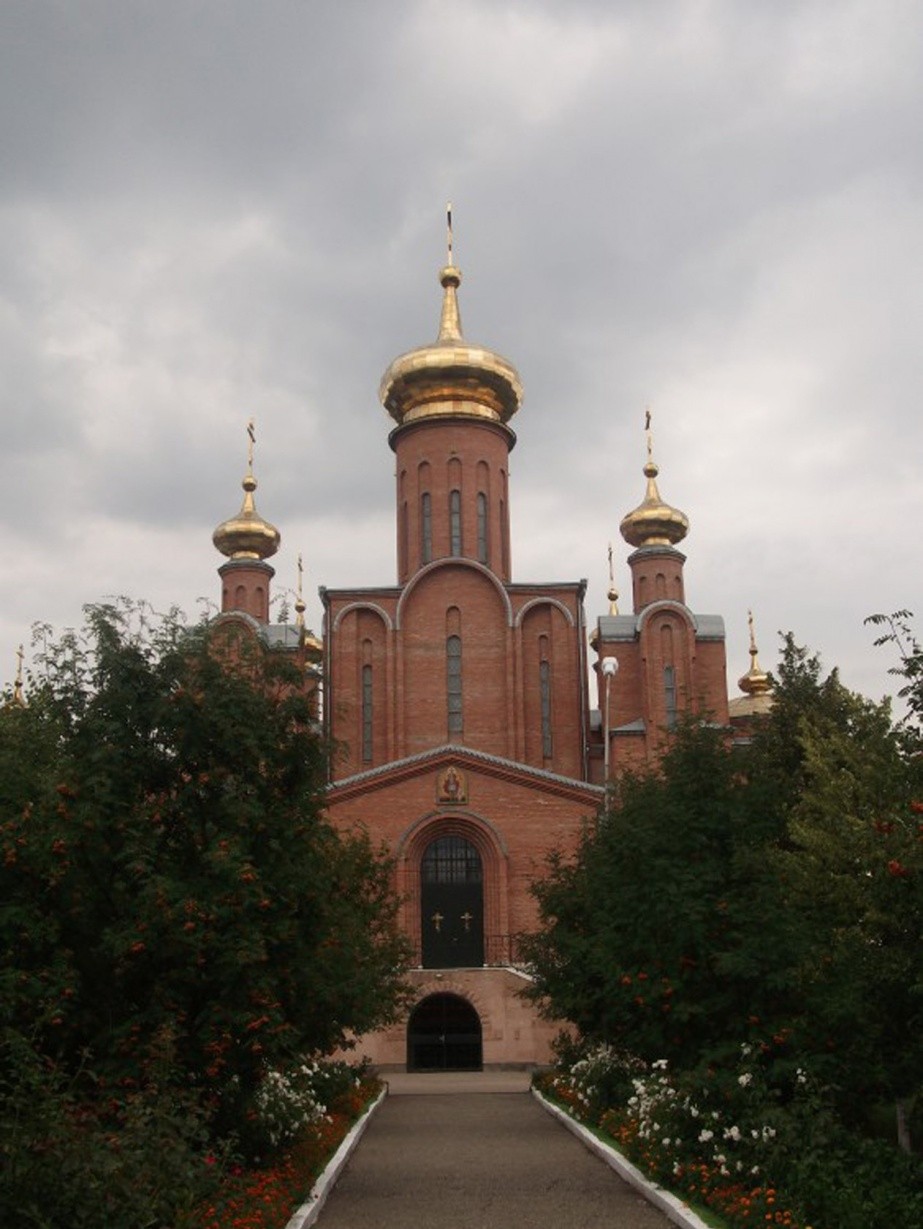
309, 1211
674, 1209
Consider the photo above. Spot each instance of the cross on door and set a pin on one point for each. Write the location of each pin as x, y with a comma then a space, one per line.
467, 918
437, 919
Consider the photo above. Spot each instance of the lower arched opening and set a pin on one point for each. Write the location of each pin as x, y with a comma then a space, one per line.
444, 1034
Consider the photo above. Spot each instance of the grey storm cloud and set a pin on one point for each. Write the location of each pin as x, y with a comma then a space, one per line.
217, 210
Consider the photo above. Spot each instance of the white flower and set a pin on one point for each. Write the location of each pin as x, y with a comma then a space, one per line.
745, 1079
705, 1136
732, 1133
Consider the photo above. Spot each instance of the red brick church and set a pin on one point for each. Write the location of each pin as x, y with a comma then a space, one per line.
458, 699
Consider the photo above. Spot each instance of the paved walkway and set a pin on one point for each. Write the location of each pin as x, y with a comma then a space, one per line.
477, 1152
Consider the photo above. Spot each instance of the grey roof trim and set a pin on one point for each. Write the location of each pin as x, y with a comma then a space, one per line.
709, 627
618, 627
626, 627
497, 761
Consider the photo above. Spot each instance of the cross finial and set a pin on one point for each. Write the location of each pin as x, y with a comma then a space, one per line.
613, 593
448, 222
650, 438
251, 440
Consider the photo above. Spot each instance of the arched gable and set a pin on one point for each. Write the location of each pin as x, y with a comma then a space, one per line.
453, 562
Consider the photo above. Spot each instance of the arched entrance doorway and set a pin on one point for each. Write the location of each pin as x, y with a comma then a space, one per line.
444, 1034
452, 904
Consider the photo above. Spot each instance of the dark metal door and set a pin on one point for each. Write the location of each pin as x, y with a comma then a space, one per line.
444, 1034
452, 900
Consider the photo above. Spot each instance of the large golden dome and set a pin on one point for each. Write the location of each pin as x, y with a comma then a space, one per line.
653, 522
450, 377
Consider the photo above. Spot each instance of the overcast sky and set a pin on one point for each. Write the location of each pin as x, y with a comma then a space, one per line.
218, 208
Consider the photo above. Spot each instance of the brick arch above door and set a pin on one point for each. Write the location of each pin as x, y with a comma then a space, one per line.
485, 839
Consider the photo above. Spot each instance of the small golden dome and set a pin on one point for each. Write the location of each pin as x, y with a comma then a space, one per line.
247, 535
451, 377
756, 681
653, 522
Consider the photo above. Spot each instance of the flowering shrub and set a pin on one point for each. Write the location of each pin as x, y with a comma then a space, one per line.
265, 1197
288, 1104
590, 1079
758, 1152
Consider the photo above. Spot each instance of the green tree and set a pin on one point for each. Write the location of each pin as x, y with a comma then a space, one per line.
167, 876
771, 895
666, 933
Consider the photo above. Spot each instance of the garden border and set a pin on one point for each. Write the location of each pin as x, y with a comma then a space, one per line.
672, 1207
309, 1211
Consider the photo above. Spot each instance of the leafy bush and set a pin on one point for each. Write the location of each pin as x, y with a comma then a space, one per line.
76, 1154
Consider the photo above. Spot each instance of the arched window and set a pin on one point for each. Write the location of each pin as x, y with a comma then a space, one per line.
453, 652
669, 694
426, 527
544, 678
367, 715
482, 528
455, 527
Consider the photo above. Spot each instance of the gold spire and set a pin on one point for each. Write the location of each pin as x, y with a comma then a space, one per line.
653, 522
612, 593
299, 600
451, 376
18, 699
756, 681
247, 535
307, 641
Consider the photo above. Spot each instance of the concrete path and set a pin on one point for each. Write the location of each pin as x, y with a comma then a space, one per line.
482, 1155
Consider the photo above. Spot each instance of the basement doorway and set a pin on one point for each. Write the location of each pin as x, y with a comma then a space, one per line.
444, 1034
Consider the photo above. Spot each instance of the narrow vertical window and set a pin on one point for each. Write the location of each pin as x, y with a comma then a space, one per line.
426, 527
403, 539
455, 529
366, 714
544, 677
453, 649
669, 694
482, 528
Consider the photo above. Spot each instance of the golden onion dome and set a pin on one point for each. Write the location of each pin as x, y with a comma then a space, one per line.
451, 377
247, 535
653, 522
